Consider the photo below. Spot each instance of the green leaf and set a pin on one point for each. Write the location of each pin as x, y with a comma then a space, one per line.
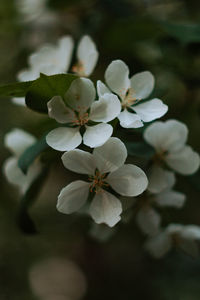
140, 149
24, 220
18, 89
186, 33
30, 154
45, 87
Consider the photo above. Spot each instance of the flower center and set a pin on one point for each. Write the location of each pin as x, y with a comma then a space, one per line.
97, 181
160, 157
81, 117
176, 240
79, 68
129, 99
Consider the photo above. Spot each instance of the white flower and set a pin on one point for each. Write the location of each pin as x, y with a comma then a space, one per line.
17, 141
49, 59
54, 59
81, 110
148, 219
105, 167
159, 178
87, 56
179, 236
131, 91
169, 140
31, 9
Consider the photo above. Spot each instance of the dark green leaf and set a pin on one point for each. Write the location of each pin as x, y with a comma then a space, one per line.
18, 89
45, 87
186, 33
24, 220
30, 154
140, 149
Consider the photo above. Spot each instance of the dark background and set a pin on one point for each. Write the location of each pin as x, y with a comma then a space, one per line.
160, 36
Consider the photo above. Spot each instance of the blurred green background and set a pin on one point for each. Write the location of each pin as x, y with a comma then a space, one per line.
155, 35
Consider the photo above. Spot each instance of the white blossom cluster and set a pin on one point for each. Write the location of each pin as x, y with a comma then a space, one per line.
85, 117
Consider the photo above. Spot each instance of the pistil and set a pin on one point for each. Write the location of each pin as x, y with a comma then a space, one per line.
97, 182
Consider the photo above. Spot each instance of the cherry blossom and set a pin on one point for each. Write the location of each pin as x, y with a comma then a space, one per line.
105, 169
81, 110
148, 218
183, 237
131, 91
54, 59
49, 60
169, 140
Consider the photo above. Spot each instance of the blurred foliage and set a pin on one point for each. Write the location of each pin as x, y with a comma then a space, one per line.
161, 36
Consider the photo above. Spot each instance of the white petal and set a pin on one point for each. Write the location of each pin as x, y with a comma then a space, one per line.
34, 73
185, 161
128, 180
87, 54
117, 77
142, 84
43, 56
15, 176
50, 69
64, 139
28, 75
105, 109
159, 245
73, 197
105, 208
170, 198
168, 136
110, 156
129, 120
17, 141
59, 111
79, 161
148, 220
160, 179
102, 88
151, 110
65, 48
97, 135
58, 56
173, 228
13, 173
19, 101
81, 94
191, 232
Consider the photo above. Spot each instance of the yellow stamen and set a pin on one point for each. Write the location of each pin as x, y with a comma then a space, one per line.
79, 68
82, 117
129, 99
